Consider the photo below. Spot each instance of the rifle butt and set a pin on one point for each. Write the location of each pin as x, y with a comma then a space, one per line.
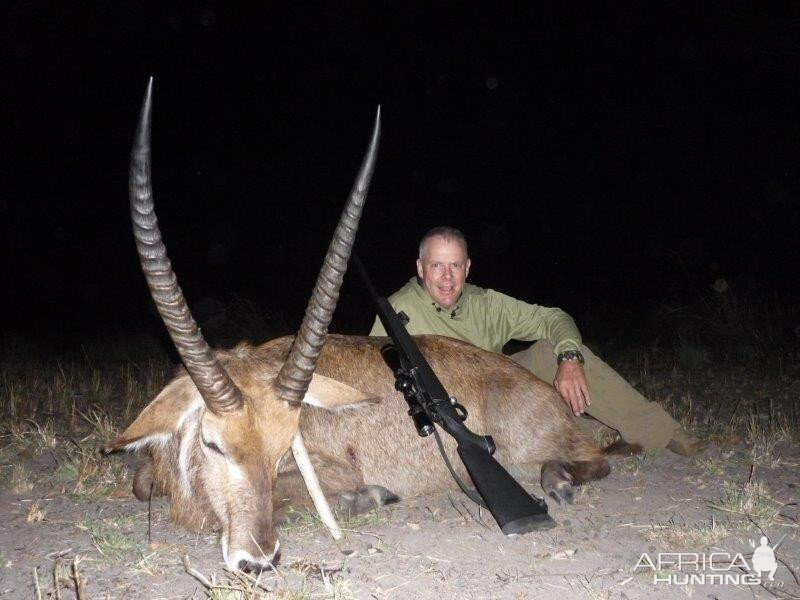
514, 509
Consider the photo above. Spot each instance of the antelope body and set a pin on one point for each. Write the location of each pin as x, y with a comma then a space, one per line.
219, 434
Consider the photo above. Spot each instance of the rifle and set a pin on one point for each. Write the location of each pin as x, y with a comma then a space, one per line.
429, 404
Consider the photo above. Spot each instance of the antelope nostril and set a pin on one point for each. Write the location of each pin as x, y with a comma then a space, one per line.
248, 566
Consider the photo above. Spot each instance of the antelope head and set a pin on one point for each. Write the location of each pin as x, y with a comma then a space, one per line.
216, 435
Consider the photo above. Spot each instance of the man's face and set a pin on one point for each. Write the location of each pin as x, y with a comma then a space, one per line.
443, 268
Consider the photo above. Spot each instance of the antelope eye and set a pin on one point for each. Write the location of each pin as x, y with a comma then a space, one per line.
212, 446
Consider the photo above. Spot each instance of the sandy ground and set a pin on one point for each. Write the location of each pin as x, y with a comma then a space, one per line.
430, 547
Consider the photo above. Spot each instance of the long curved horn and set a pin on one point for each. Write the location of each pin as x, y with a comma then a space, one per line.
295, 375
216, 387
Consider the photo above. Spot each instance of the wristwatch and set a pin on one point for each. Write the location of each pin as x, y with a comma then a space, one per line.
570, 355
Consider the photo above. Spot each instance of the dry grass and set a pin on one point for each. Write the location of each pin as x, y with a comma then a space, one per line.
46, 398
712, 467
85, 473
764, 439
726, 366
584, 584
726, 403
639, 462
114, 539
299, 581
147, 565
603, 436
751, 502
20, 480
35, 513
66, 574
301, 521
58, 413
685, 536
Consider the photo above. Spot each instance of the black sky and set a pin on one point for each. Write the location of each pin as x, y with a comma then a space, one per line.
594, 156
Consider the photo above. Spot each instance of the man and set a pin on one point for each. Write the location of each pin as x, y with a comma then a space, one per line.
438, 301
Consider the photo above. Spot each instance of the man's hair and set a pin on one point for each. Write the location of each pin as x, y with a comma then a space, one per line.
445, 232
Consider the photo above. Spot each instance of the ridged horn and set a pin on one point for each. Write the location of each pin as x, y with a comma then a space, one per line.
295, 375
216, 387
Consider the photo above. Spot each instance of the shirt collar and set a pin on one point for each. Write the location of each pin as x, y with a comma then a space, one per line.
454, 312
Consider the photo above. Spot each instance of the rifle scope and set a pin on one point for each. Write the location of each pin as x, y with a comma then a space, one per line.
404, 383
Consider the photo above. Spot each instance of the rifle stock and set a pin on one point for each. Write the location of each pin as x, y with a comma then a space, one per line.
514, 509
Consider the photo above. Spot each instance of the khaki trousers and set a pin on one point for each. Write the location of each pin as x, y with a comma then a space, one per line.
615, 403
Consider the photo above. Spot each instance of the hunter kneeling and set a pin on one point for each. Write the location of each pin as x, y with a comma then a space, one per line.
439, 301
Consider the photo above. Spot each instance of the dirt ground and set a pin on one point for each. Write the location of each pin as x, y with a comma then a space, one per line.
430, 547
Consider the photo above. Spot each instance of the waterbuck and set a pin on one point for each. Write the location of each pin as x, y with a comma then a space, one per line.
219, 434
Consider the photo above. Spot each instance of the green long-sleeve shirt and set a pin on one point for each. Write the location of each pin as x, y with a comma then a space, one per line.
484, 318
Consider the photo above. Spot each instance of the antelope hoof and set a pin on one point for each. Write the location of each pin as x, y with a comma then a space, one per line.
365, 498
557, 482
563, 493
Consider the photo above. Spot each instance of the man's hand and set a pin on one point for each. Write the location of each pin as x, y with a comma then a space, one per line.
570, 382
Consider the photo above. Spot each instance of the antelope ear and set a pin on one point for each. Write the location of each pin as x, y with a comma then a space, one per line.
332, 394
161, 418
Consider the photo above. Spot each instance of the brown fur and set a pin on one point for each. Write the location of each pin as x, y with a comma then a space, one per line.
588, 470
622, 448
371, 442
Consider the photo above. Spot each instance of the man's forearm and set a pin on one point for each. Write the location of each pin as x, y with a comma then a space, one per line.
562, 332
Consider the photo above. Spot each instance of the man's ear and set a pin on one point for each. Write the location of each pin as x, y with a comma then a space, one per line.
334, 395
420, 270
161, 418
466, 268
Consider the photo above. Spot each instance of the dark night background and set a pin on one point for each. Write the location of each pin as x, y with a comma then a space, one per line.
602, 159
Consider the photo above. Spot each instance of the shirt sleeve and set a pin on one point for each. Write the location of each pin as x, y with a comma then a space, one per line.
529, 322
